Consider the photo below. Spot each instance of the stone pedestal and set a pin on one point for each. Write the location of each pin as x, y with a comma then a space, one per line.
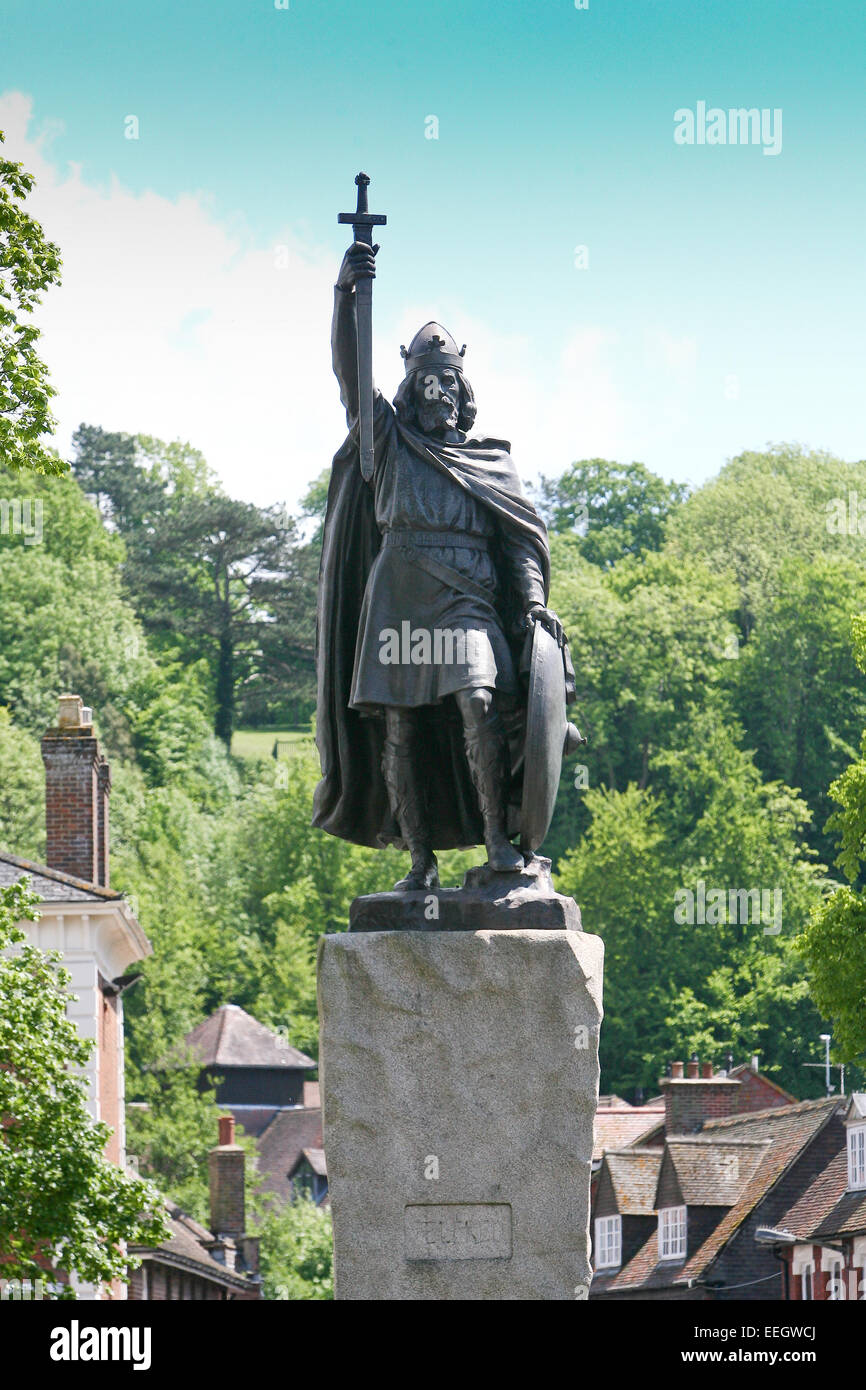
497, 901
459, 1084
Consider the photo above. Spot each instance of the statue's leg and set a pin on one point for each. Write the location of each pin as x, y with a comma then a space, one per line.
487, 754
406, 795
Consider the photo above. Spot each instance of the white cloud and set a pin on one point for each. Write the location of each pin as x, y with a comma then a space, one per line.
167, 324
171, 323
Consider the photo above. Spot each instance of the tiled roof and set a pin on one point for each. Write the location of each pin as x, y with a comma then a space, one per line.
282, 1144
233, 1038
712, 1174
820, 1198
634, 1174
788, 1129
848, 1217
643, 1271
617, 1127
316, 1160
50, 884
187, 1247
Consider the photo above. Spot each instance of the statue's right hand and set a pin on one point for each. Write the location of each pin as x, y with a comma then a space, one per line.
359, 263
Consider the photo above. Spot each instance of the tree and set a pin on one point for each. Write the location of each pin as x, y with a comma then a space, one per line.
796, 685
297, 1251
62, 1204
705, 816
212, 577
29, 263
22, 792
617, 509
834, 941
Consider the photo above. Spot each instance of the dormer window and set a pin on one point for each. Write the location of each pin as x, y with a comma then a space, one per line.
608, 1242
672, 1233
857, 1156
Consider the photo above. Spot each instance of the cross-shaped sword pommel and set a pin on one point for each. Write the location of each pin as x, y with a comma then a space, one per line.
361, 221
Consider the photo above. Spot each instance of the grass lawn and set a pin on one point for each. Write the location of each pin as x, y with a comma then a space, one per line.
259, 743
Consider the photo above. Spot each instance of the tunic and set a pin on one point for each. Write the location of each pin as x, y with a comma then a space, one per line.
419, 637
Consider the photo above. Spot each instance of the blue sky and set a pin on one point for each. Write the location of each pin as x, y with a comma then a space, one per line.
723, 300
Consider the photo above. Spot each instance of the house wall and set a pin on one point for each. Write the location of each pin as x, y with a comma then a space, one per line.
154, 1282
276, 1086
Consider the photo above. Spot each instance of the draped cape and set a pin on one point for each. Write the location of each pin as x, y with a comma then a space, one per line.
351, 800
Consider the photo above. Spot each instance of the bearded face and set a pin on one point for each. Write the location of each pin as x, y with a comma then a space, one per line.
437, 400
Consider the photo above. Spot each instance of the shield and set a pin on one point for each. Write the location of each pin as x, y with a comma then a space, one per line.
549, 738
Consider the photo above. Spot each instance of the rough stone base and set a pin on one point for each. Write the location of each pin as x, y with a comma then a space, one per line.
459, 1085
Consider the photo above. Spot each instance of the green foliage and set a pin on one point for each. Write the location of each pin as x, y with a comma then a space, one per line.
62, 1204
833, 943
29, 264
296, 1251
669, 986
616, 509
22, 792
213, 578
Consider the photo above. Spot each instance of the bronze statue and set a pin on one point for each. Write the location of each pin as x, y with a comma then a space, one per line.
435, 574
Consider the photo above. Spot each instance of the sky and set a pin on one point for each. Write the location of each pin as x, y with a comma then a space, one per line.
716, 304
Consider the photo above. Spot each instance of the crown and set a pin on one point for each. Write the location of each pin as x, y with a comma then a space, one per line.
432, 347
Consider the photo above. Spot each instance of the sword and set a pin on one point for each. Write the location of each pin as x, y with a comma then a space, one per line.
362, 223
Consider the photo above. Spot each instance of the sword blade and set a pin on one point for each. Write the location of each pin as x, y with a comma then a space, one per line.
364, 297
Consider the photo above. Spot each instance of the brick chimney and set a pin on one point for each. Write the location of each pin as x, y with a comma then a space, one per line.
693, 1099
77, 788
226, 1163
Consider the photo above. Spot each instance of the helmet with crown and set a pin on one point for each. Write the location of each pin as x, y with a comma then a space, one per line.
432, 347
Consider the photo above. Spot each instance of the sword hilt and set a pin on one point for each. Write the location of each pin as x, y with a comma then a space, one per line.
361, 221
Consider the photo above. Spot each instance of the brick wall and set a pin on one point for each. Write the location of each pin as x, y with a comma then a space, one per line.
71, 803
226, 1172
690, 1102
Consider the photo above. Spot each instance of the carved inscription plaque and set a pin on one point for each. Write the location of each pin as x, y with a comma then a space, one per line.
475, 1231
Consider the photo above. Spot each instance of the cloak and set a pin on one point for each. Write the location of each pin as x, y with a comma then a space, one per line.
351, 800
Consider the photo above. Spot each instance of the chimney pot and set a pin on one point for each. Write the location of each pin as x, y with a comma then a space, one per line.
707, 1070
71, 708
693, 1068
676, 1070
754, 1063
226, 1130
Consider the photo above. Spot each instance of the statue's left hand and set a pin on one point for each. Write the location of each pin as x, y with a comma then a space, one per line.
539, 614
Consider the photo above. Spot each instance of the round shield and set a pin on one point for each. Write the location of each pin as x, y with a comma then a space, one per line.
548, 737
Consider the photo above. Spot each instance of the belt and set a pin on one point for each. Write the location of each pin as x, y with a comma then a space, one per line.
445, 540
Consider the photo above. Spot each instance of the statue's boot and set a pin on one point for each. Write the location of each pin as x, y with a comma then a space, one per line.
408, 805
487, 754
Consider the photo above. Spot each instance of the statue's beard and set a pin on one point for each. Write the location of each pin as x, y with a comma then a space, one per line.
437, 415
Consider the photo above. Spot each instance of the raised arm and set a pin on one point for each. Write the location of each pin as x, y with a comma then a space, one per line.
359, 261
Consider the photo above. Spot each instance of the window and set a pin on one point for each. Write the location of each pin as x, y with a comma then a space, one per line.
836, 1281
672, 1233
806, 1285
857, 1156
608, 1242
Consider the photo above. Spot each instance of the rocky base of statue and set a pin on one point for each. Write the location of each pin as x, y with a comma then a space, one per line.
487, 901
459, 1075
